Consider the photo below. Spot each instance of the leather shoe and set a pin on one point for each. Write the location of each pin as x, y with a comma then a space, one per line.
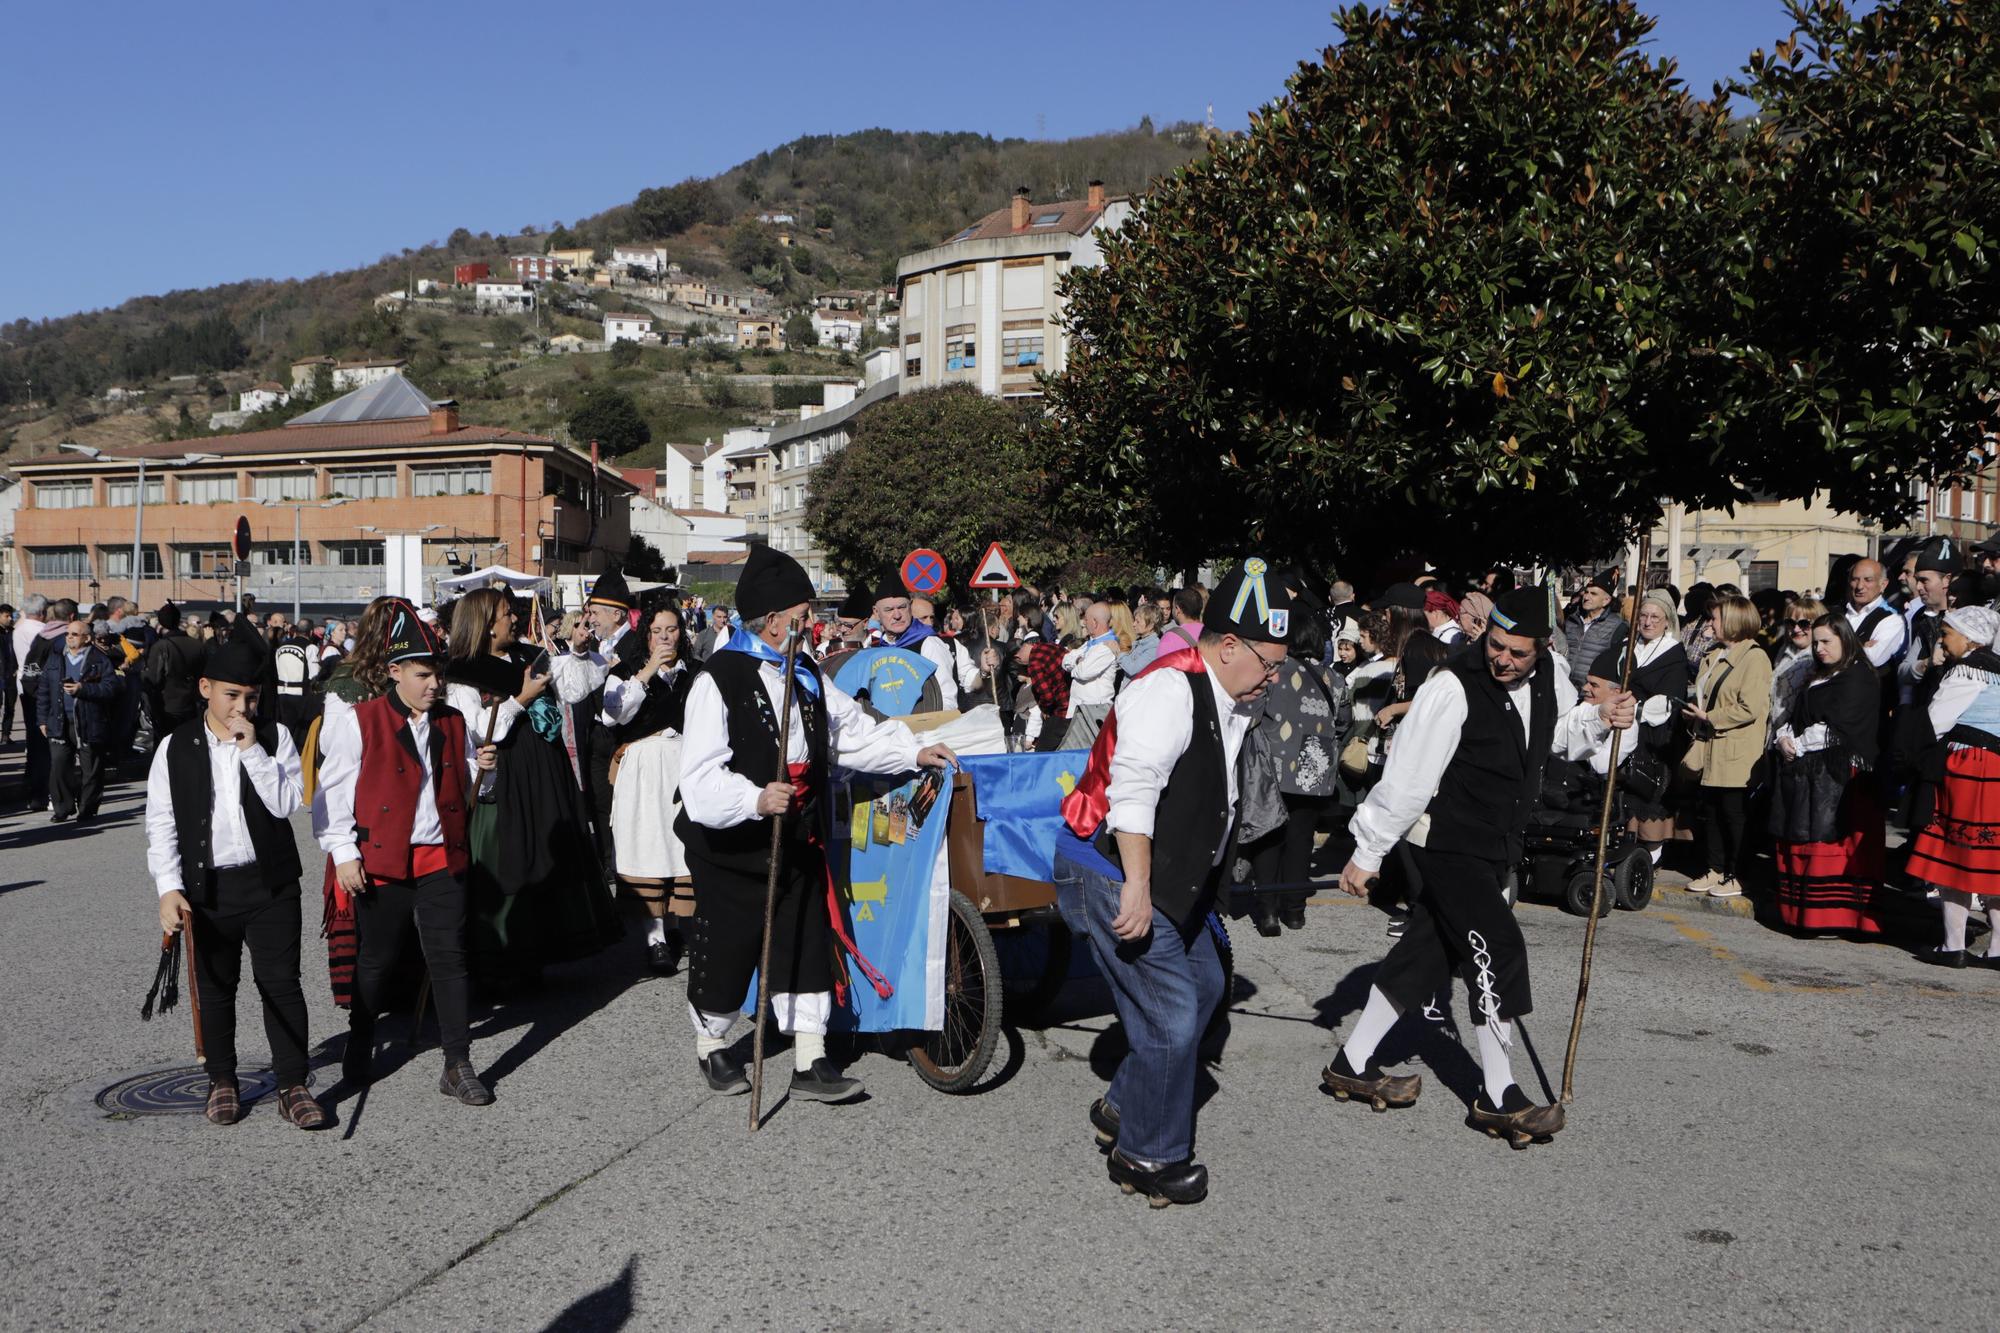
825, 1083
1942, 957
1162, 1183
1104, 1119
297, 1105
1293, 916
459, 1081
1265, 918
664, 956
723, 1074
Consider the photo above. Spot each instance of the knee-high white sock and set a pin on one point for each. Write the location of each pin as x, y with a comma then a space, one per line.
711, 1031
806, 1048
656, 930
1377, 1017
1993, 925
1494, 1060
1957, 912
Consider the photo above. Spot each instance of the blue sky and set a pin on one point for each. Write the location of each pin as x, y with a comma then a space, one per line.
163, 146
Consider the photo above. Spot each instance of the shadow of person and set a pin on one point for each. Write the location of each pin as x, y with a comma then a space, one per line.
547, 1014
608, 1307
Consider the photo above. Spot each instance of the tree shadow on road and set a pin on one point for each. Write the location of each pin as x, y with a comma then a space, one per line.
609, 1307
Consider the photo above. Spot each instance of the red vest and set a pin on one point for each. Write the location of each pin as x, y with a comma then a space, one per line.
390, 781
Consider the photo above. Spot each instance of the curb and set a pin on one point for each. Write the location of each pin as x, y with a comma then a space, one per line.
1904, 918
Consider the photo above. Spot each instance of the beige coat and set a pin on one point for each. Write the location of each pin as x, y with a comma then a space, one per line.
1737, 710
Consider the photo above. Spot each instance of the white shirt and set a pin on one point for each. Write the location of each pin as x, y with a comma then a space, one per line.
1093, 671
1155, 725
716, 796
1448, 633
340, 769
1889, 633
622, 697
1429, 737
278, 780
1955, 694
25, 630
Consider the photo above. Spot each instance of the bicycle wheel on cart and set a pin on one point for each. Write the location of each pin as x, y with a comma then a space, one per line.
955, 1057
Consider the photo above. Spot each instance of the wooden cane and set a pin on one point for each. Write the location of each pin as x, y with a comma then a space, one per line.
194, 989
771, 889
1603, 839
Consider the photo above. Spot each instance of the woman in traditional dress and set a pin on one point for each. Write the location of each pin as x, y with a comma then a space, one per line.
1825, 816
535, 893
1660, 670
647, 699
1792, 657
1959, 850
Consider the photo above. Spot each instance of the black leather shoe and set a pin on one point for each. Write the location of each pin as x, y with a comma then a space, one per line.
1292, 916
1942, 957
459, 1081
357, 1062
722, 1073
1162, 1183
1104, 1119
1265, 918
825, 1083
664, 956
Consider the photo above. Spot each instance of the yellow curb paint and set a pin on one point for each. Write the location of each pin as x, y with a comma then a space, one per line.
1755, 982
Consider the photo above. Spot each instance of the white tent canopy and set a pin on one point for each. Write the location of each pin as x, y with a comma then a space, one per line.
492, 574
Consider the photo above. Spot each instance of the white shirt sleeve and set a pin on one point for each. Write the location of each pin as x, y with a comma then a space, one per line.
1426, 740
1581, 731
333, 801
336, 708
574, 676
859, 742
465, 698
1155, 724
939, 652
622, 697
163, 847
279, 780
1955, 694
1888, 641
711, 793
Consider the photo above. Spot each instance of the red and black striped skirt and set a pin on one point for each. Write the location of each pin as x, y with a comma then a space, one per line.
1960, 849
1832, 885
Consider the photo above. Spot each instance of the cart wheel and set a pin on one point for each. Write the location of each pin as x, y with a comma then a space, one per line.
955, 1057
1632, 887
1577, 893
1035, 960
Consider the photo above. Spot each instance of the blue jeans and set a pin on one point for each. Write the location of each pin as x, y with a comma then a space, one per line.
1164, 987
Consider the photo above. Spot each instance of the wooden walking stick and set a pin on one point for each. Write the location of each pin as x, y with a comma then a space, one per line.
771, 887
194, 987
1603, 839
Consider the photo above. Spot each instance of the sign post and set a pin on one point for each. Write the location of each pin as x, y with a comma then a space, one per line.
241, 545
994, 571
923, 572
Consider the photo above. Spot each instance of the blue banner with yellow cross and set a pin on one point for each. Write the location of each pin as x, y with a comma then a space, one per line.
889, 853
1020, 803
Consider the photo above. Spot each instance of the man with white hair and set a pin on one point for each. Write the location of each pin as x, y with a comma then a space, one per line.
1093, 671
899, 628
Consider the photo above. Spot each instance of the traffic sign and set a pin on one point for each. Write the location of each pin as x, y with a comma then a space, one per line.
242, 538
923, 571
995, 570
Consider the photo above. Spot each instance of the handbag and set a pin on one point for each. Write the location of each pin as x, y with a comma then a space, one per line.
1695, 761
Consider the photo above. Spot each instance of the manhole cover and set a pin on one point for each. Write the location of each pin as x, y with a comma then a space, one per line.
181, 1091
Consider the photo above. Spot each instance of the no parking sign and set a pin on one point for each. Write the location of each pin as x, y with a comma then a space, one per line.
923, 572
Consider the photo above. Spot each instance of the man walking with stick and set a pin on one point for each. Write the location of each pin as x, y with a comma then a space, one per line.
736, 775
1461, 778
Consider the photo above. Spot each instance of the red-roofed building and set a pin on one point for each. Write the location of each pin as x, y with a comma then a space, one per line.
982, 308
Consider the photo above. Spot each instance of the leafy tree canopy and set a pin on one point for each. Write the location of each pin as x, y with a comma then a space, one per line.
672, 209
610, 417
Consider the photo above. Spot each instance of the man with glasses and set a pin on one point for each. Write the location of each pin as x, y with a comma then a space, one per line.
1464, 773
1149, 830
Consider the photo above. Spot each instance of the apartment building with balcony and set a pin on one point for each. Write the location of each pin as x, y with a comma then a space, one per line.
385, 461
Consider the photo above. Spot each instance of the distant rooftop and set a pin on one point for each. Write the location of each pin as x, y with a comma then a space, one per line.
391, 398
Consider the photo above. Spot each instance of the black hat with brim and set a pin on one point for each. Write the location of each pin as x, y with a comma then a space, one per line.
891, 588
233, 662
1940, 555
858, 605
610, 589
409, 638
1610, 664
1524, 611
1406, 595
772, 581
1251, 603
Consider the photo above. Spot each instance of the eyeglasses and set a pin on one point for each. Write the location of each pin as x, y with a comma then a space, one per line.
1270, 667
1798, 624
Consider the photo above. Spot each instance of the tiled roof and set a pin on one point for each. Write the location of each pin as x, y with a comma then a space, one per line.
627, 314
717, 557
272, 385
1074, 216
403, 434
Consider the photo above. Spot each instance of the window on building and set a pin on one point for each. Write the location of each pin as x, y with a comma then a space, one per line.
354, 553
282, 486
364, 483
1021, 349
1762, 576
458, 479
59, 562
961, 349
1048, 219
913, 299
961, 287
1965, 505
1021, 288
199, 562
280, 553
1986, 506
63, 494
117, 562
913, 367
207, 489
120, 494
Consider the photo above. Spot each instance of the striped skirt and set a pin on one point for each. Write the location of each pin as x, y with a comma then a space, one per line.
1960, 849
1832, 885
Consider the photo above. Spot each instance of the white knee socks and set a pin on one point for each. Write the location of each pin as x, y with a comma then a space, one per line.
1494, 1061
1376, 1019
1957, 912
806, 1048
656, 930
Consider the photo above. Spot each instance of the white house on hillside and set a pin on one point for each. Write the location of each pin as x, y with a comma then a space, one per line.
498, 295
652, 258
837, 328
625, 326
268, 393
355, 374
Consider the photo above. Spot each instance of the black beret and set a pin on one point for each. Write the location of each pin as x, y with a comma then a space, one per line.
1524, 611
1251, 603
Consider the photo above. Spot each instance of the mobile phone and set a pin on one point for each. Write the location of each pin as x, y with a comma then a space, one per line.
540, 666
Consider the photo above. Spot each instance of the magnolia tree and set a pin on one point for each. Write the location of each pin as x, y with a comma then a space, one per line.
1488, 282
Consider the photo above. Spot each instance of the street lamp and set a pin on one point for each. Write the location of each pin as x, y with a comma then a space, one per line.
139, 502
295, 506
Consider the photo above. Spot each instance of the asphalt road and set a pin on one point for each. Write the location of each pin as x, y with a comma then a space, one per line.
1768, 1133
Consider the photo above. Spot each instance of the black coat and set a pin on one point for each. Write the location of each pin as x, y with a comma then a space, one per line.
97, 698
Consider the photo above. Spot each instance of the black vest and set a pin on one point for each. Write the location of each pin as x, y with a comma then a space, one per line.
665, 704
754, 754
190, 780
1887, 671
1193, 816
1493, 780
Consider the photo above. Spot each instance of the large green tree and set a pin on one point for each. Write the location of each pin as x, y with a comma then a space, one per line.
610, 417
1486, 282
948, 469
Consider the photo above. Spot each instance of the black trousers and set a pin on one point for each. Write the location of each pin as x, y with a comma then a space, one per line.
1285, 855
729, 931
385, 914
597, 772
38, 752
232, 908
76, 776
1459, 924
1725, 823
8, 694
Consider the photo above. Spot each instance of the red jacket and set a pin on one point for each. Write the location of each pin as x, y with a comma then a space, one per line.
386, 789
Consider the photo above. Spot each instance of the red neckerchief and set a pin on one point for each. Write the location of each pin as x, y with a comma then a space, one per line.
1084, 808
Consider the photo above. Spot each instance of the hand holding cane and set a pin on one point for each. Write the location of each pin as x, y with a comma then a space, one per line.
771, 886
1603, 843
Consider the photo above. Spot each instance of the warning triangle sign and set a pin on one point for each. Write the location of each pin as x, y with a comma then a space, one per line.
994, 571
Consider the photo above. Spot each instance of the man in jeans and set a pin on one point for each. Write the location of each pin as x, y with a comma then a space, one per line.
1148, 832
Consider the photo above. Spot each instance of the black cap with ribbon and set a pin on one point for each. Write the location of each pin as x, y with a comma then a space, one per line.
1524, 611
1251, 602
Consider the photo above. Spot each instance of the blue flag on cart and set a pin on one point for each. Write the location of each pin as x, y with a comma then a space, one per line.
1020, 804
888, 850
893, 678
